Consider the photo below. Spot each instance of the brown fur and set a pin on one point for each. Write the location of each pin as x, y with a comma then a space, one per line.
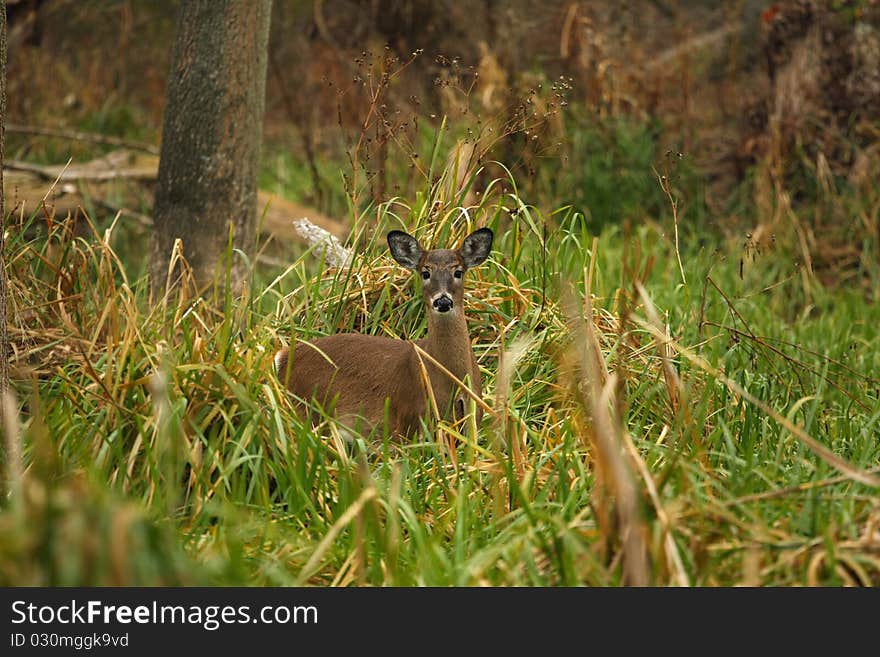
371, 382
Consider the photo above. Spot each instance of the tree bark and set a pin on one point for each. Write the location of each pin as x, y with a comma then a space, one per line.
211, 136
4, 335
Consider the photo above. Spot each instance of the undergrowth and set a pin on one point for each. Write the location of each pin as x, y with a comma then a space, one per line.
643, 429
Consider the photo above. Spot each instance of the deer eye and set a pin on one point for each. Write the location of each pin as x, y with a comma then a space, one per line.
458, 273
426, 274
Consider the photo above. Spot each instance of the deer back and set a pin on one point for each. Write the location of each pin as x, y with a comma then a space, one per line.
362, 379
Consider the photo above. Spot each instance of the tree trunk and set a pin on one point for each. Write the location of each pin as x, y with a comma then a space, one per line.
4, 335
211, 134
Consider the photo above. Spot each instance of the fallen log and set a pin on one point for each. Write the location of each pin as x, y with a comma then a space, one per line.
125, 174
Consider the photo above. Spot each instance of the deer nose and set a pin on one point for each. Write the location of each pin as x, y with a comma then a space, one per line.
443, 304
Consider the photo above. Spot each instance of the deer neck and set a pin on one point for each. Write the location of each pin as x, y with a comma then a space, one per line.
448, 342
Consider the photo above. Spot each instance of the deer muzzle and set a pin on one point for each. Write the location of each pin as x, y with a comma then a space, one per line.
442, 303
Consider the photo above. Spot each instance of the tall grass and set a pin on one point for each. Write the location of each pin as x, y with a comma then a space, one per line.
643, 430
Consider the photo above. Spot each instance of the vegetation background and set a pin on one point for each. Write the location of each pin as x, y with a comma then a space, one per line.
677, 328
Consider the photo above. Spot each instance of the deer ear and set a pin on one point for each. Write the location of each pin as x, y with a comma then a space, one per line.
405, 249
476, 247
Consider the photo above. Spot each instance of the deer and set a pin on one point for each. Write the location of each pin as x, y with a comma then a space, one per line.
375, 383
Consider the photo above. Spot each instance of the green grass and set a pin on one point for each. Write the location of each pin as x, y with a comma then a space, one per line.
608, 170
161, 424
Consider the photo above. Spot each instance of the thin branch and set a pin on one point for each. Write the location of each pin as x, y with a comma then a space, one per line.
663, 180
80, 173
75, 135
